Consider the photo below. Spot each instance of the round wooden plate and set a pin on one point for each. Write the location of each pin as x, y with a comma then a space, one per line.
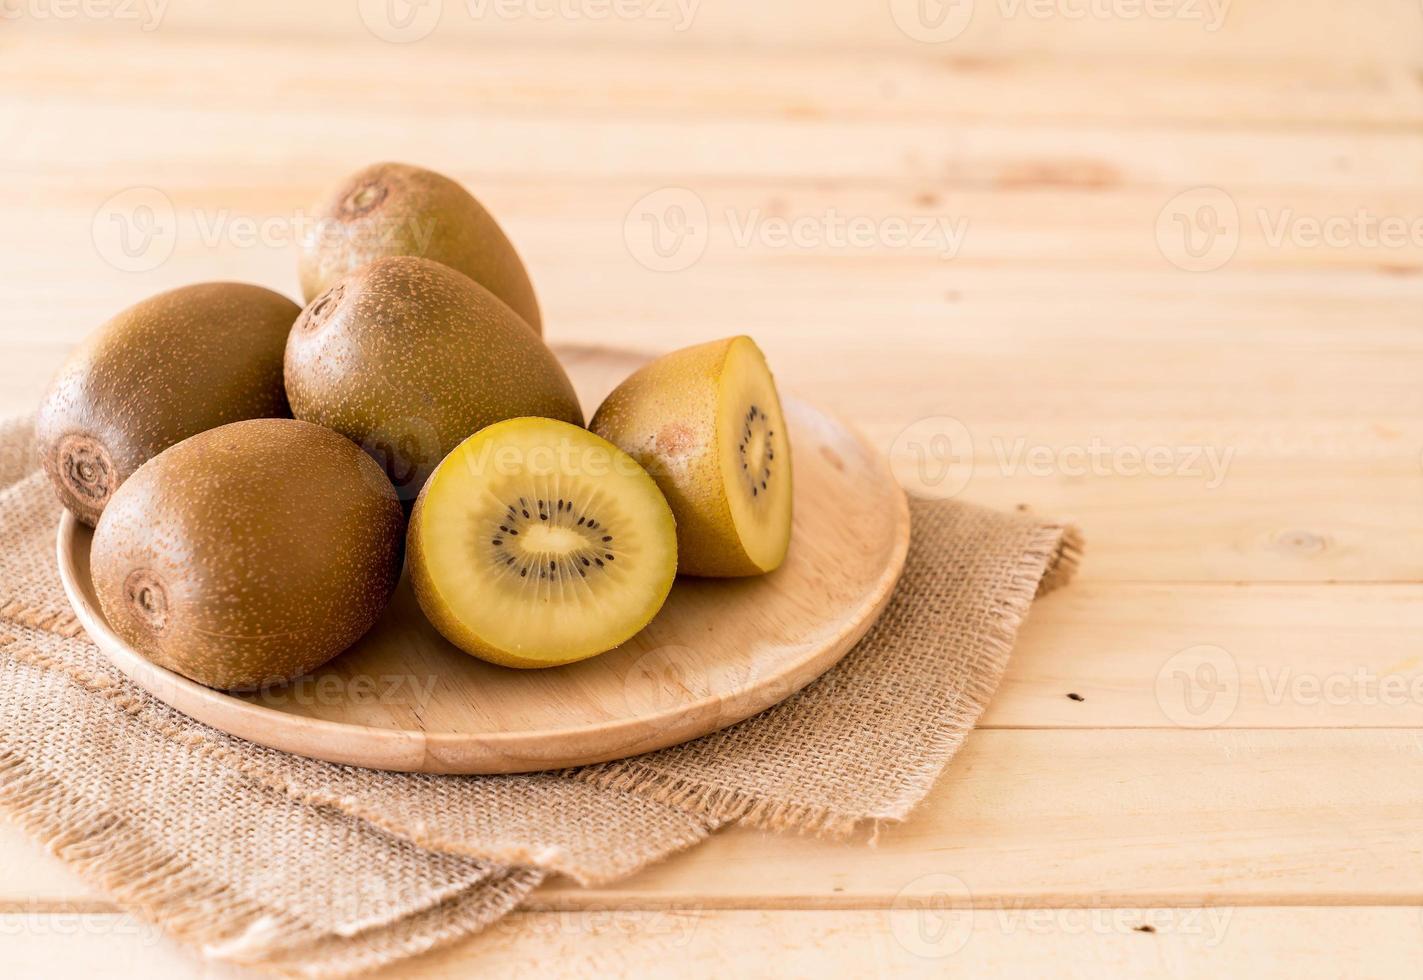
720, 650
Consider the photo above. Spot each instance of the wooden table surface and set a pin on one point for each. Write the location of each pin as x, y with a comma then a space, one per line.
1156, 267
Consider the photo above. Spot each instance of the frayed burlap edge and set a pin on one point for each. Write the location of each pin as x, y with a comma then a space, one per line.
104, 850
187, 904
63, 624
1049, 562
135, 703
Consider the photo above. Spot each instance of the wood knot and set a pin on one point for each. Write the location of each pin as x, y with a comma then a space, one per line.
1301, 542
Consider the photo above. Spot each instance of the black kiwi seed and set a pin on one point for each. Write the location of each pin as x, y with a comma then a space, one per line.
586, 556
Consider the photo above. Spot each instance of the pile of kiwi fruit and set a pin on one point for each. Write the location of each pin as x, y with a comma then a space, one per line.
259, 475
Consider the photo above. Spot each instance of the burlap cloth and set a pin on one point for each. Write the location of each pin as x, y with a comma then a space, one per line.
303, 867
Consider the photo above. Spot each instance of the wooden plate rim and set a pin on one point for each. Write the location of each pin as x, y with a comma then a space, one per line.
276, 729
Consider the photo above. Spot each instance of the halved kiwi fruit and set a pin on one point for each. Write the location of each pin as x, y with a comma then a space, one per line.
536, 543
706, 422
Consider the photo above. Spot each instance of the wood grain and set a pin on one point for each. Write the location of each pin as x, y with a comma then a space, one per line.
1190, 944
1041, 818
1059, 321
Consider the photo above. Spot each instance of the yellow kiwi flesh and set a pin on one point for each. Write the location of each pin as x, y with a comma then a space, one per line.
706, 422
167, 368
536, 543
396, 209
249, 554
407, 357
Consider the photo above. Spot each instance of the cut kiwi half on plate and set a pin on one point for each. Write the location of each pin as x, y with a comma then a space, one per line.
535, 543
706, 422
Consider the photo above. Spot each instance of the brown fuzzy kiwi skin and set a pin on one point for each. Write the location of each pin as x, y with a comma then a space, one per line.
664, 416
249, 554
407, 358
167, 368
395, 209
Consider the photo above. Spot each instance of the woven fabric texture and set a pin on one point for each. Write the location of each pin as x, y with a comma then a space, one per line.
306, 868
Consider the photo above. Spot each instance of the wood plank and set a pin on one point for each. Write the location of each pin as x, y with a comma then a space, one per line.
63, 136
1153, 817
1296, 501
704, 82
913, 942
1131, 818
1361, 33
1217, 657
572, 229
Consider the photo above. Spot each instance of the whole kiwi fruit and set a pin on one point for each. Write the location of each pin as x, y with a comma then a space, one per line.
249, 554
706, 422
395, 209
168, 368
407, 358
